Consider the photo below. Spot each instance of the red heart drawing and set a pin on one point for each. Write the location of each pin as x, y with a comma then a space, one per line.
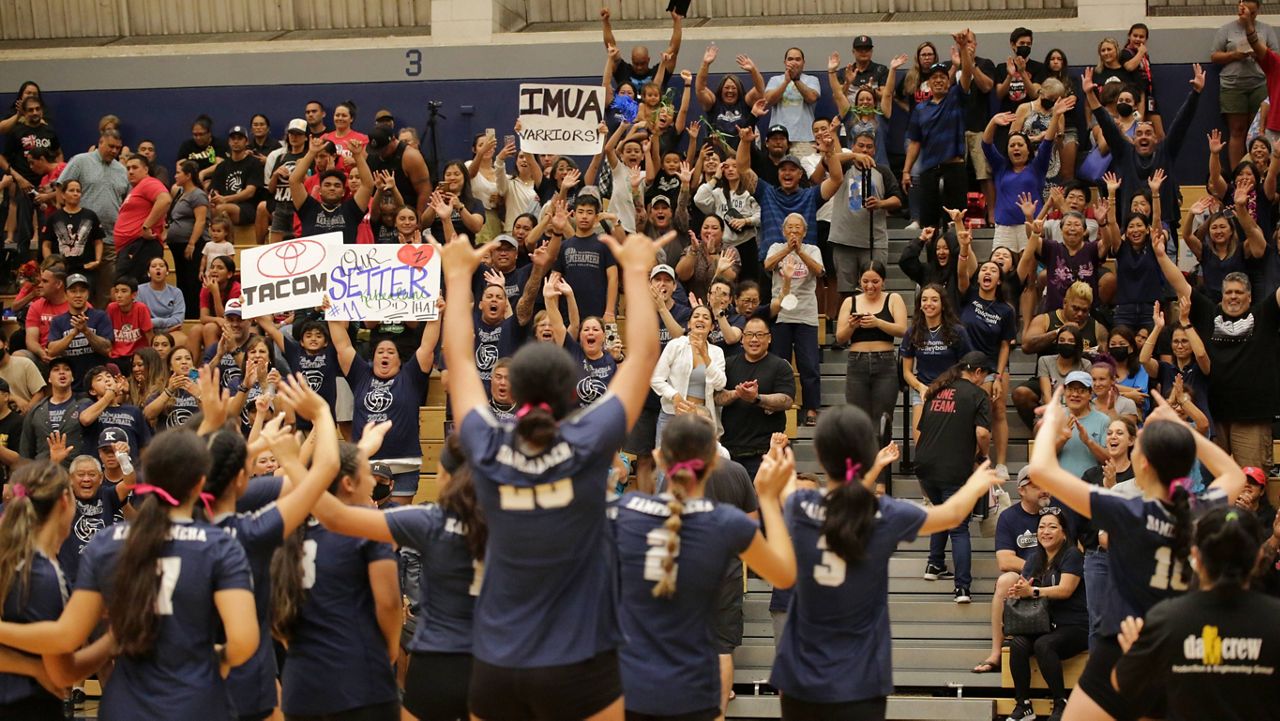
416, 255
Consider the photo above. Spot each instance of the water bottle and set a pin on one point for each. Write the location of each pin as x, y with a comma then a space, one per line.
126, 465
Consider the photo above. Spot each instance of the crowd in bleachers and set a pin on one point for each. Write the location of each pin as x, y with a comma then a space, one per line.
775, 224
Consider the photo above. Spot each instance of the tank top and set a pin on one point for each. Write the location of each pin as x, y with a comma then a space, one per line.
873, 335
1089, 333
395, 164
697, 383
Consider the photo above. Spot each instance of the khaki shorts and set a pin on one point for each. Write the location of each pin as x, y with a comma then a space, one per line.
1237, 101
977, 158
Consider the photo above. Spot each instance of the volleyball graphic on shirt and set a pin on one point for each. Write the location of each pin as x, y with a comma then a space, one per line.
379, 398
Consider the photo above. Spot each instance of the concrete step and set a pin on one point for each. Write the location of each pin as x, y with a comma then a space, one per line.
906, 608
907, 659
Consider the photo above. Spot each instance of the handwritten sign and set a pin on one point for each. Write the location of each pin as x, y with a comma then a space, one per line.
561, 119
385, 282
287, 275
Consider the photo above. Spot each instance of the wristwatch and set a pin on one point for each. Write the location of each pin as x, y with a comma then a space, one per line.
1035, 592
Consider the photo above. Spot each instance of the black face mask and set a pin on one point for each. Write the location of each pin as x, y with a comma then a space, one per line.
381, 491
1022, 51
1124, 110
1067, 350
1120, 353
1046, 103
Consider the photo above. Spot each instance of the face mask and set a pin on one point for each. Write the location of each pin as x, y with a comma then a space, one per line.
1067, 350
1124, 110
1022, 51
1120, 353
1046, 103
381, 491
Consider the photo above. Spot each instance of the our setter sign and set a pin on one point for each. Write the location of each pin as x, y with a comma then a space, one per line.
561, 119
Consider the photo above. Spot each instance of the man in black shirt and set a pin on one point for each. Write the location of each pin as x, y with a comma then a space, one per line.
234, 189
1019, 78
407, 167
759, 388
863, 70
315, 114
29, 134
331, 213
639, 72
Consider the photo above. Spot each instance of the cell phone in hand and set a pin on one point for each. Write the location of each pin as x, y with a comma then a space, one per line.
610, 334
490, 134
508, 140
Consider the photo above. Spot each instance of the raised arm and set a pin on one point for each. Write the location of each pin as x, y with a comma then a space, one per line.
635, 256
460, 259
705, 96
1177, 283
1049, 474
295, 506
1255, 245
342, 347
297, 189
1216, 184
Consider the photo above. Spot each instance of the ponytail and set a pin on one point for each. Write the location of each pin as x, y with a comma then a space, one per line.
689, 453
458, 497
1227, 539
228, 452
178, 460
1182, 528
37, 488
851, 512
543, 378
287, 592
535, 424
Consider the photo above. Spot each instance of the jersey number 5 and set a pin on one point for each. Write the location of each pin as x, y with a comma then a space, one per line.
830, 571
1168, 573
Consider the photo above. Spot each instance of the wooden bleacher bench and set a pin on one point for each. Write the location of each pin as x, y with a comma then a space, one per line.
1071, 670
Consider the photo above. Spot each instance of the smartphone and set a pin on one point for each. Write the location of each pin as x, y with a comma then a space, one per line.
610, 334
490, 134
508, 140
193, 374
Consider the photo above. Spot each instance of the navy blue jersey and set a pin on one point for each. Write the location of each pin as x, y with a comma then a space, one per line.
584, 261
835, 647
92, 516
396, 399
596, 374
179, 679
987, 324
320, 369
40, 599
492, 342
450, 579
79, 353
1140, 540
179, 412
253, 683
669, 663
338, 656
550, 596
260, 491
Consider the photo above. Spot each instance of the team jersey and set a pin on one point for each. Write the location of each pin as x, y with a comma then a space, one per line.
93, 515
550, 596
835, 647
179, 678
669, 663
253, 683
450, 578
320, 369
338, 656
396, 399
596, 374
1142, 567
40, 599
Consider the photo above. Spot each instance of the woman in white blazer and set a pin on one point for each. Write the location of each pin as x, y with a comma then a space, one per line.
690, 370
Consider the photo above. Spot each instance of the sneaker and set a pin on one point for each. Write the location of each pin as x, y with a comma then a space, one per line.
1002, 472
962, 596
1023, 712
913, 226
933, 573
1059, 708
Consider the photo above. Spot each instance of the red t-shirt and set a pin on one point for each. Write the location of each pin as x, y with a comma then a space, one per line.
40, 313
137, 206
129, 328
1270, 64
206, 298
344, 155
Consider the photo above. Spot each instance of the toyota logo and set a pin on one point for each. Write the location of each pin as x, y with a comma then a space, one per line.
291, 258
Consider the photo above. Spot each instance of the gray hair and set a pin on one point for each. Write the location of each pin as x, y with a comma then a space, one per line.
1238, 277
85, 460
111, 133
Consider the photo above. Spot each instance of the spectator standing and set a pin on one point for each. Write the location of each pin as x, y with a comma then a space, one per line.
202, 147
759, 389
792, 96
344, 118
863, 71
586, 263
406, 165
729, 108
30, 133
690, 371
934, 342
724, 194
139, 226
1242, 81
991, 326
235, 182
796, 267
1018, 173
935, 139
74, 231
868, 322
860, 211
777, 203
1018, 79
1136, 58
331, 212
188, 232
276, 171
55, 413
104, 183
641, 71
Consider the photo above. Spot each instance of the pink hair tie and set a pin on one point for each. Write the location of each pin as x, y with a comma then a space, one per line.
145, 488
851, 470
693, 465
19, 490
207, 499
528, 408
1184, 483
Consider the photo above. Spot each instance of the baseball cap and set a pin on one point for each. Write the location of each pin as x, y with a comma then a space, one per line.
297, 125
587, 191
233, 308
1024, 476
384, 114
381, 470
1252, 473
660, 198
973, 360
110, 437
791, 159
379, 138
863, 41
59, 361
112, 369
939, 68
77, 279
660, 269
1081, 377
508, 239
778, 130
237, 130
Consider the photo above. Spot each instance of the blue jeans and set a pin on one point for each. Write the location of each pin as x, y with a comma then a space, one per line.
803, 340
1134, 315
961, 547
1097, 588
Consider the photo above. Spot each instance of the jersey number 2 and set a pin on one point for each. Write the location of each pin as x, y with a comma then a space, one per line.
657, 554
830, 571
1168, 573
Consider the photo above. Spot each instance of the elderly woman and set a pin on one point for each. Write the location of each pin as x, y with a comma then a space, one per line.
796, 267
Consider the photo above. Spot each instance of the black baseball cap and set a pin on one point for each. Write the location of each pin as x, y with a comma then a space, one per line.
778, 130
379, 138
381, 470
936, 68
791, 159
237, 130
863, 41
974, 359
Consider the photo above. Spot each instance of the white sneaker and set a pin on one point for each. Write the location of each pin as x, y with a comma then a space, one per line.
1002, 471
913, 225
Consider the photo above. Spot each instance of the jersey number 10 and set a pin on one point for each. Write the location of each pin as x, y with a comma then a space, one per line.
1168, 573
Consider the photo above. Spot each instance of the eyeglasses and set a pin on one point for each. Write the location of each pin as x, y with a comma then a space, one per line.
1051, 511
761, 334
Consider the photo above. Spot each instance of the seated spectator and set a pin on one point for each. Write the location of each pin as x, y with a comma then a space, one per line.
52, 302
759, 389
707, 258
1228, 250
148, 376
466, 212
113, 452
1132, 380
177, 402
729, 324
74, 232
226, 354
1071, 196
1107, 396
1041, 333
82, 334
1053, 571
234, 182
796, 268
167, 304
26, 385
1051, 370
1015, 540
1190, 357
934, 342
940, 266
163, 344
220, 288
1253, 497
1074, 259
1080, 444
56, 413
130, 320
107, 409
690, 371
10, 434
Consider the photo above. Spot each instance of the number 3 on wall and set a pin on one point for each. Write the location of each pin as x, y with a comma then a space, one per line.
413, 63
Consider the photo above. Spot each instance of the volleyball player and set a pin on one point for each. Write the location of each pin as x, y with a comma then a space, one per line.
673, 549
1149, 538
546, 634
834, 659
450, 536
261, 532
336, 603
171, 662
